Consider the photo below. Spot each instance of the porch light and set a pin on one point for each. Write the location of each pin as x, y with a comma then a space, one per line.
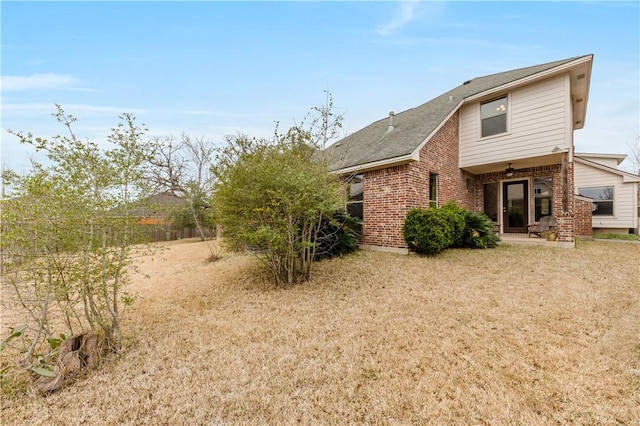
509, 171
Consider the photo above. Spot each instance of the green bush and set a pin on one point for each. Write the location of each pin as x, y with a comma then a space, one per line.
478, 231
338, 235
455, 216
433, 230
427, 230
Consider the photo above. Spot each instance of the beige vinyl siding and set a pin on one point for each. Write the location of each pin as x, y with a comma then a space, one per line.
539, 120
625, 196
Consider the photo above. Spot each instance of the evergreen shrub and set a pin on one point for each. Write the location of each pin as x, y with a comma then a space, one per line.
478, 231
338, 235
432, 230
427, 231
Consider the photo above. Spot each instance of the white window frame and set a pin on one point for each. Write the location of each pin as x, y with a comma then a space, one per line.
595, 202
507, 131
349, 201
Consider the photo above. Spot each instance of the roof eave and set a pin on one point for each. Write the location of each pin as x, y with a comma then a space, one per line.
534, 77
375, 165
580, 90
586, 155
626, 177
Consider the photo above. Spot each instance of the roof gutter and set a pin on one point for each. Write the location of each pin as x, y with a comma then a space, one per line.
381, 164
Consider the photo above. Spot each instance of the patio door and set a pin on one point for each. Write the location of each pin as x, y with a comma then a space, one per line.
515, 206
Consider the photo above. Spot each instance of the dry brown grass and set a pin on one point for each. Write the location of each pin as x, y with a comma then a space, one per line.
515, 335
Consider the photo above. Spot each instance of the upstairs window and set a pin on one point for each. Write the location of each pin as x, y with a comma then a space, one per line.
602, 199
493, 115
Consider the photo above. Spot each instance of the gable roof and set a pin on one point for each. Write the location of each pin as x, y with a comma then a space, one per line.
619, 158
626, 176
374, 145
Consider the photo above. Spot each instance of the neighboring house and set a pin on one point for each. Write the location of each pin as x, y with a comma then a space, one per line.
613, 191
155, 213
157, 209
500, 144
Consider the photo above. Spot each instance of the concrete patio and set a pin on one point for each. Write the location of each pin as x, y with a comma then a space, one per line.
524, 239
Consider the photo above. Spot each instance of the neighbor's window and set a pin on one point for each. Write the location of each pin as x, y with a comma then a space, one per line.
543, 195
433, 190
602, 199
493, 115
356, 197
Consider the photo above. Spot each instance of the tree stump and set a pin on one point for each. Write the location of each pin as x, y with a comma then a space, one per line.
77, 353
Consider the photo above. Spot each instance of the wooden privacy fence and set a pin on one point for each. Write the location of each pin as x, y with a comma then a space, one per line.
170, 234
155, 233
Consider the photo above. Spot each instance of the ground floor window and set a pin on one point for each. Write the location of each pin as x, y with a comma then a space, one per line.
490, 196
602, 197
543, 197
355, 199
433, 190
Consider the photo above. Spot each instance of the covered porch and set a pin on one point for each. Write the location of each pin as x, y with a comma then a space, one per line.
514, 198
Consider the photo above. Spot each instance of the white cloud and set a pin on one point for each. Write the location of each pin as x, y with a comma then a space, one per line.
405, 15
39, 81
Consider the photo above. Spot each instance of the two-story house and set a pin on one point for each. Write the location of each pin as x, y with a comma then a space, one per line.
500, 144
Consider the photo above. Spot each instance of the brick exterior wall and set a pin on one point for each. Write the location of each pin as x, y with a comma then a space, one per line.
553, 170
389, 193
385, 206
565, 227
564, 219
583, 215
441, 156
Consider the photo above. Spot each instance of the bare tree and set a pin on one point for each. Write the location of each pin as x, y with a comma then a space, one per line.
183, 168
634, 147
200, 155
169, 169
324, 123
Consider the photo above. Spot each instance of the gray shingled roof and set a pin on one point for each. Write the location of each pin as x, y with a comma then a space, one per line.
373, 143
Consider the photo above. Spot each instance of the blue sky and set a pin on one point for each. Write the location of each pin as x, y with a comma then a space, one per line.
216, 68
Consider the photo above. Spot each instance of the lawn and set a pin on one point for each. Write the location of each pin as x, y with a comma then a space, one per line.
516, 335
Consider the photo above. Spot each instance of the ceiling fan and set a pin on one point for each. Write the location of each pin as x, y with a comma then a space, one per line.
509, 171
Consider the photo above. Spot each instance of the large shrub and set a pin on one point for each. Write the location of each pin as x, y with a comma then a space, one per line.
433, 230
455, 216
71, 225
337, 235
427, 230
272, 196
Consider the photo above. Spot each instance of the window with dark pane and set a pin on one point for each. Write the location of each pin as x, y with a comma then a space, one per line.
490, 195
602, 197
543, 197
433, 190
493, 115
355, 199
